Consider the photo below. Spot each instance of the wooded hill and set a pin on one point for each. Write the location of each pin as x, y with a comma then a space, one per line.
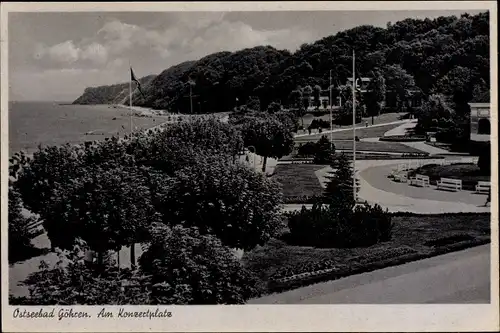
447, 55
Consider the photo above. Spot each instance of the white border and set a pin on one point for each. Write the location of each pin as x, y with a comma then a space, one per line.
268, 317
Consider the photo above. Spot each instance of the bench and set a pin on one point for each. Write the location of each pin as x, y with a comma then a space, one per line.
400, 177
450, 184
420, 180
483, 187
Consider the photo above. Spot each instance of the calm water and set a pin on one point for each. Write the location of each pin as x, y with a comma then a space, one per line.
47, 123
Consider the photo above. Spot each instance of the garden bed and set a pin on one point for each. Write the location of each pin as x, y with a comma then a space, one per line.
469, 173
282, 266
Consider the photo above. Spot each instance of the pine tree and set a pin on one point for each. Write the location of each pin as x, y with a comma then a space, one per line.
339, 187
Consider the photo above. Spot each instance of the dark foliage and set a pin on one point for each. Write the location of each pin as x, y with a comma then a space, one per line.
324, 152
448, 55
338, 225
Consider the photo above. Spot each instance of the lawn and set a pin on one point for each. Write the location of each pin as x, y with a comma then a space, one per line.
361, 132
391, 147
298, 180
383, 118
469, 173
417, 235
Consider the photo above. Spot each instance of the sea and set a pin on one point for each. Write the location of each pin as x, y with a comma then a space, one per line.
54, 123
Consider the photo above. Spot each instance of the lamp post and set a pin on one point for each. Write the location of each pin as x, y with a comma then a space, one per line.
331, 107
354, 125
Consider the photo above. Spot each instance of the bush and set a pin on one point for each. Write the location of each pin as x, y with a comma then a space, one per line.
319, 123
371, 225
72, 282
340, 226
307, 149
189, 268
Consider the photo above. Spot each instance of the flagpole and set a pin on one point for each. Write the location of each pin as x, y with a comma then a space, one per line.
354, 124
331, 106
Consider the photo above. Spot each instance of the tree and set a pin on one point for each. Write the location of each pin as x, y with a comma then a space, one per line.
273, 108
376, 95
289, 119
203, 196
307, 92
253, 103
19, 234
187, 267
179, 144
317, 95
324, 151
339, 189
297, 102
270, 138
435, 112
344, 114
107, 208
400, 83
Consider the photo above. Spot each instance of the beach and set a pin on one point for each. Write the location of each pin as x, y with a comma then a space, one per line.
49, 123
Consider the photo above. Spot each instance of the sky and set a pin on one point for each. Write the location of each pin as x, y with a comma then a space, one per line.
55, 56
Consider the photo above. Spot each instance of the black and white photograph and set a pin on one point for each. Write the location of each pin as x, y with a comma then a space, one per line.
227, 157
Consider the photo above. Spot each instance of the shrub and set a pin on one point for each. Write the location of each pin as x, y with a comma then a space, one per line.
189, 268
371, 225
307, 149
339, 226
319, 123
324, 151
72, 282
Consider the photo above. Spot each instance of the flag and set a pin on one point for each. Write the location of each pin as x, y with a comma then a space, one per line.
134, 78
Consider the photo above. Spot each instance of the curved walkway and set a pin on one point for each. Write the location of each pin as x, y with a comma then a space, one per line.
377, 188
401, 130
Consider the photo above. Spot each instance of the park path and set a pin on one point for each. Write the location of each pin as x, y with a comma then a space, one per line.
427, 148
403, 128
442, 202
420, 145
350, 128
399, 202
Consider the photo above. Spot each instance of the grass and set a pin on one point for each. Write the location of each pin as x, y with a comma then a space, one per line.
469, 173
383, 118
362, 132
413, 233
391, 147
298, 179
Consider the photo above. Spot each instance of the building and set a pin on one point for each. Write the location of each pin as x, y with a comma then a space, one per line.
480, 125
390, 101
415, 97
